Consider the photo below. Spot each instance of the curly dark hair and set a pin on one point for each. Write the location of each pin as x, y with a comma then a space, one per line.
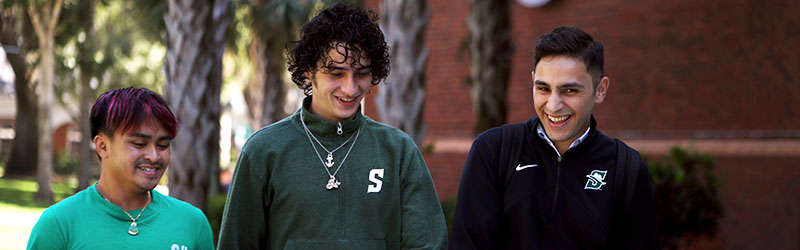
344, 24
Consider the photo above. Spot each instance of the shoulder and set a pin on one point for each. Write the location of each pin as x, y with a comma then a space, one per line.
180, 208
73, 204
58, 217
391, 135
493, 137
270, 136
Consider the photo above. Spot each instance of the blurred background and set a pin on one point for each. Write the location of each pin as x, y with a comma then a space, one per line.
707, 91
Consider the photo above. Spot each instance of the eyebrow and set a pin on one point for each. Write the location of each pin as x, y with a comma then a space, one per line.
566, 85
359, 69
148, 137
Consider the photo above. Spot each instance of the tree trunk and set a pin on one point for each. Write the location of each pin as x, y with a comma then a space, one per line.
20, 163
193, 70
86, 51
490, 50
401, 99
271, 30
266, 94
44, 24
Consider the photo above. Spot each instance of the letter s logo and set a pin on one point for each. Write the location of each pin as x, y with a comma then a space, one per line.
374, 174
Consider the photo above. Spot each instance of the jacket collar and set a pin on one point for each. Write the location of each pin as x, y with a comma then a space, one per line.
587, 138
323, 129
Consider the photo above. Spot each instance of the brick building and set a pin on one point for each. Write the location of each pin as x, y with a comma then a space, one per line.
721, 75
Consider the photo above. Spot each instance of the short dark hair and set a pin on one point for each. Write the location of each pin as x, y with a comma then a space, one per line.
127, 108
573, 42
349, 25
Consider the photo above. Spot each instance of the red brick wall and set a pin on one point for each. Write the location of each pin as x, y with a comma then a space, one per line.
680, 65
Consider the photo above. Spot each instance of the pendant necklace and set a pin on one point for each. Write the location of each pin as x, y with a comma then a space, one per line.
332, 182
134, 229
329, 159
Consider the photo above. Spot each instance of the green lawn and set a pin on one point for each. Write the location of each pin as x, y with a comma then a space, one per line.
19, 211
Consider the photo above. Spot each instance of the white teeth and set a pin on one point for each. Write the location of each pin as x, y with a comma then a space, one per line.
149, 169
557, 119
346, 99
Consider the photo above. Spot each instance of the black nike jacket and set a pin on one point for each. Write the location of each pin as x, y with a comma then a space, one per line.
543, 201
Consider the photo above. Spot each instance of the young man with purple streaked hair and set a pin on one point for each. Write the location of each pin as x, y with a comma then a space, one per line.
131, 130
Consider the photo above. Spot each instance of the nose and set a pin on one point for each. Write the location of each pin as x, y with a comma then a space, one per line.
151, 154
349, 86
554, 103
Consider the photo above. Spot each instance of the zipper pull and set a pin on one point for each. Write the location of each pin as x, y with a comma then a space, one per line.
339, 128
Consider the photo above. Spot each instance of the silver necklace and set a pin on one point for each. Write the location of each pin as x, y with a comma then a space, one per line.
134, 229
332, 182
329, 163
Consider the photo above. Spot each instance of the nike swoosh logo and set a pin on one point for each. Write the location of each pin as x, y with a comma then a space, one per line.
520, 167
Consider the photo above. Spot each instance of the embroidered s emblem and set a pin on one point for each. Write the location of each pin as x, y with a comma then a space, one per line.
377, 184
595, 181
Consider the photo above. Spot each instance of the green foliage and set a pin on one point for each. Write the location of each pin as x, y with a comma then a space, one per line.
216, 205
686, 196
65, 164
449, 209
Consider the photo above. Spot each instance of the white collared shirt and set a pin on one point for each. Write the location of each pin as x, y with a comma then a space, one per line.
543, 135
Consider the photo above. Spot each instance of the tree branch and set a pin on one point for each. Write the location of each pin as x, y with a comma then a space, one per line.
36, 21
51, 27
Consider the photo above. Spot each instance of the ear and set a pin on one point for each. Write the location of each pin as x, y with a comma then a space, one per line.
600, 91
309, 76
101, 144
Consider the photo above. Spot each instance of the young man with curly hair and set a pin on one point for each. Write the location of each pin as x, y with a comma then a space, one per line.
131, 130
328, 177
556, 181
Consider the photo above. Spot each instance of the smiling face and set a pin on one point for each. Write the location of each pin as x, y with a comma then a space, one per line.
564, 98
339, 86
134, 160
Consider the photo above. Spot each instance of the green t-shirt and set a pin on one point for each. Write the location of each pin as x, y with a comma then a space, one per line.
87, 221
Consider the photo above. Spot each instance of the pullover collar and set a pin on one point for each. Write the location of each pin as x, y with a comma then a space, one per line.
590, 133
324, 130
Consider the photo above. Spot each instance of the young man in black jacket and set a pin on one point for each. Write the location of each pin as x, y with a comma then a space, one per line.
555, 181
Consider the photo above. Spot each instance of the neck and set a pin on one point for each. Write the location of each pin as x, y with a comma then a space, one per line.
124, 199
562, 146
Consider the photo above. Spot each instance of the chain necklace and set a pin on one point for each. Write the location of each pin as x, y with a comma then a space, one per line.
134, 229
329, 163
332, 182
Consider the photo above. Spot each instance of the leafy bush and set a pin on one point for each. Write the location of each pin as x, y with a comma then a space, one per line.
216, 206
65, 164
686, 196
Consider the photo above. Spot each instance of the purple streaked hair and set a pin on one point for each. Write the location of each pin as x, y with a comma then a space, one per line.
125, 109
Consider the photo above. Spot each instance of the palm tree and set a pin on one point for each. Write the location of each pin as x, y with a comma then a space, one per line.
490, 50
195, 40
273, 23
401, 98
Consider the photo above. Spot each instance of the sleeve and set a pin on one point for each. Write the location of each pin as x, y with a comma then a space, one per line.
479, 204
244, 222
205, 238
642, 231
47, 233
423, 225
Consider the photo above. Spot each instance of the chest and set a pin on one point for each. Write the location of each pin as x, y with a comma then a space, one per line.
367, 199
111, 233
570, 194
